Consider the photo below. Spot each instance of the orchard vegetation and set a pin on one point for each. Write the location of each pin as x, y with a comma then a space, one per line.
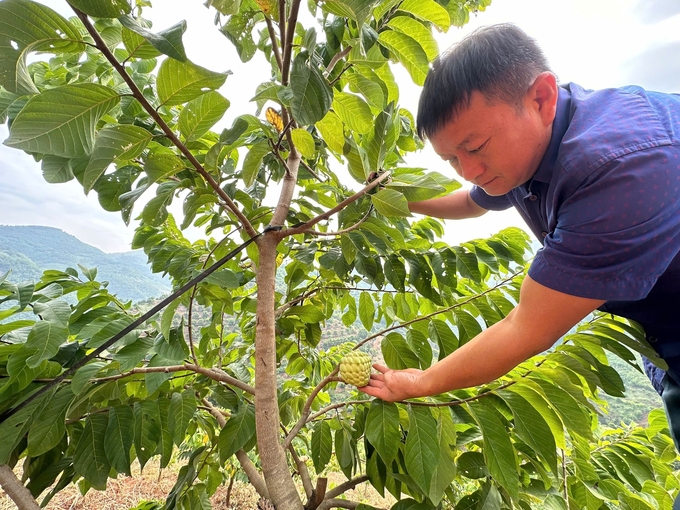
104, 98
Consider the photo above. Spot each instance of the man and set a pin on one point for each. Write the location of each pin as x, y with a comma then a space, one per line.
595, 174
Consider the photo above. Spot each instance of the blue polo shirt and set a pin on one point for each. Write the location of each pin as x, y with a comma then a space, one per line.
605, 203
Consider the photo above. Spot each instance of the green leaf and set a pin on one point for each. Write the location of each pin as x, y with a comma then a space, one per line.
61, 121
182, 408
309, 314
114, 144
240, 428
416, 187
132, 354
415, 29
357, 10
119, 438
168, 42
382, 429
357, 161
200, 114
427, 10
537, 399
162, 164
19, 371
57, 311
395, 271
574, 416
408, 52
366, 310
398, 355
13, 429
102, 8
46, 434
322, 445
441, 333
148, 431
89, 459
179, 82
225, 278
56, 170
312, 96
532, 428
354, 112
389, 202
26, 27
445, 471
332, 131
83, 376
421, 453
303, 141
253, 161
499, 453
43, 341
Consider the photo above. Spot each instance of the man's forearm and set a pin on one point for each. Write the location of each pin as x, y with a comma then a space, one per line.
488, 356
456, 206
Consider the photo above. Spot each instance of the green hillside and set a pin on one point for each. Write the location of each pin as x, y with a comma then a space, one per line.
29, 250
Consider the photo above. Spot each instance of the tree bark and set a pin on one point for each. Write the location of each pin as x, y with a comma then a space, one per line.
16, 490
280, 485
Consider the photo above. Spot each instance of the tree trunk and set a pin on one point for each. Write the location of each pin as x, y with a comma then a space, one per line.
282, 491
21, 496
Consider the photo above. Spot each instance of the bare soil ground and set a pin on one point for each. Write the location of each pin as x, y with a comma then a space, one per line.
127, 492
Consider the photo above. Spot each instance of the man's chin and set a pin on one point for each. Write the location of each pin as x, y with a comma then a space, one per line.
495, 187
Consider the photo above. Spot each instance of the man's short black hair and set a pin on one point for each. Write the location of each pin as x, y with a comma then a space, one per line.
500, 61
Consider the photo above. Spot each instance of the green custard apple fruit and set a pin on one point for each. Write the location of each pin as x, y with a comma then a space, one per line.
355, 368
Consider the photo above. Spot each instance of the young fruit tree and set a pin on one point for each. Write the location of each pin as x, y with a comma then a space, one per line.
243, 369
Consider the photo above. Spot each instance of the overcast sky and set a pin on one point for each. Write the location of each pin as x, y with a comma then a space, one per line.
599, 44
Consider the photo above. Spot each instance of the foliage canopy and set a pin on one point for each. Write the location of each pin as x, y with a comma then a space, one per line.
120, 107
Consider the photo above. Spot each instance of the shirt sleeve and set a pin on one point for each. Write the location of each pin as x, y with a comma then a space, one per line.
482, 199
617, 231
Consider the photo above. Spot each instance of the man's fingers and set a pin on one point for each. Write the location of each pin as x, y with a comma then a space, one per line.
380, 368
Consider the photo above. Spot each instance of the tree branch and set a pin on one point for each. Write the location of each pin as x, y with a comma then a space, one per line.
306, 226
16, 490
302, 469
139, 96
307, 407
344, 487
217, 374
338, 503
287, 189
288, 45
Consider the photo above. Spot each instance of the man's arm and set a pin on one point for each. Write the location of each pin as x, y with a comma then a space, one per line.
542, 316
456, 206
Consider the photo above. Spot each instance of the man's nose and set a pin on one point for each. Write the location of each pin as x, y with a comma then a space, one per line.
470, 168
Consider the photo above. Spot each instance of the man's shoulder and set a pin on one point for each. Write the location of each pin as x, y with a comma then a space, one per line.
608, 124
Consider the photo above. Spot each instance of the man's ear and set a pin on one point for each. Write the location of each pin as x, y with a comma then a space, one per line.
542, 96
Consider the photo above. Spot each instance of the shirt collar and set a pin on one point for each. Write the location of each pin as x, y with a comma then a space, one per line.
559, 127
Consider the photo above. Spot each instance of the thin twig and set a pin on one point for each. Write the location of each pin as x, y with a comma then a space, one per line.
336, 58
309, 224
101, 46
338, 405
345, 230
438, 312
272, 38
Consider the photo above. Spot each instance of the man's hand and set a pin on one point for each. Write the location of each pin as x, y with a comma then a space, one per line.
394, 385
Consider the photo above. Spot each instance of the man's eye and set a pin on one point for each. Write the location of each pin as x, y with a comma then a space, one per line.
475, 151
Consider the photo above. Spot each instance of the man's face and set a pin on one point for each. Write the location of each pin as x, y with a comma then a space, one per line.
495, 145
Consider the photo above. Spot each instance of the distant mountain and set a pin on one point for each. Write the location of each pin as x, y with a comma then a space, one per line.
29, 250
